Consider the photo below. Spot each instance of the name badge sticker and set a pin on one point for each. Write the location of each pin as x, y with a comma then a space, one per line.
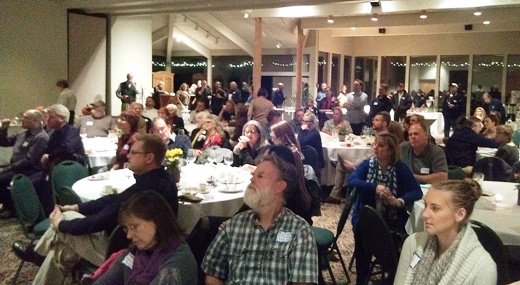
284, 236
376, 103
415, 259
126, 147
25, 144
425, 170
129, 260
90, 123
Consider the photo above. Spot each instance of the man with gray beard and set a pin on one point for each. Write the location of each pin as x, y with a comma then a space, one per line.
268, 244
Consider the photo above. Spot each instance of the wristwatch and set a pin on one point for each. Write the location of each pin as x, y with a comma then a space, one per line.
401, 202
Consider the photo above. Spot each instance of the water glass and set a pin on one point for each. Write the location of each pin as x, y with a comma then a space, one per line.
478, 177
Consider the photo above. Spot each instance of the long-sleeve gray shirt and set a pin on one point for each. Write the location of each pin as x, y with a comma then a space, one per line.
355, 103
28, 148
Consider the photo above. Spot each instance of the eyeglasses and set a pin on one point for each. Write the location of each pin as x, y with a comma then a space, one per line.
126, 229
250, 132
132, 152
308, 122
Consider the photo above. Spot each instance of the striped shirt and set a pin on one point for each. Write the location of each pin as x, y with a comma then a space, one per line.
244, 253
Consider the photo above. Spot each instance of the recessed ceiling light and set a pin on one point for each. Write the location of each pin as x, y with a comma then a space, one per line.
178, 40
477, 13
353, 28
279, 45
374, 18
423, 15
486, 22
330, 20
246, 15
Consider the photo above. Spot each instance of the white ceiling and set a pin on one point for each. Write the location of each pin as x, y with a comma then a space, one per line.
224, 19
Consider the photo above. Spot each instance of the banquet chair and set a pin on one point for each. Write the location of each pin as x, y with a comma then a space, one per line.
516, 138
29, 212
455, 173
66, 174
66, 196
379, 243
310, 157
327, 241
494, 169
494, 246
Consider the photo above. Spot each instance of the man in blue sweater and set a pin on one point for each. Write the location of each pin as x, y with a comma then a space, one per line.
81, 231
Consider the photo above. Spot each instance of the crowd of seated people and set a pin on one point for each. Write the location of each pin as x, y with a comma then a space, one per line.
389, 181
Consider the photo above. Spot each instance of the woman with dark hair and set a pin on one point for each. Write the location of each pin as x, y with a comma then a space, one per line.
250, 144
228, 113
128, 123
386, 183
157, 255
491, 122
449, 251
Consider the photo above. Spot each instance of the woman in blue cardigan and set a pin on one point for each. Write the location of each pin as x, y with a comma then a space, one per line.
387, 184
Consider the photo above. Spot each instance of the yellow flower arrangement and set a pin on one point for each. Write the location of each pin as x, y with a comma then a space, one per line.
173, 157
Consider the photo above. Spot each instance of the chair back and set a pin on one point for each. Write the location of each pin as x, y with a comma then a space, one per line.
310, 156
117, 240
28, 208
492, 243
516, 138
66, 174
494, 169
346, 211
455, 173
66, 196
378, 240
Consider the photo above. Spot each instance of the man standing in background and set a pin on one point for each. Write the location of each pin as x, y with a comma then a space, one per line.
452, 106
402, 102
278, 97
127, 92
355, 103
67, 98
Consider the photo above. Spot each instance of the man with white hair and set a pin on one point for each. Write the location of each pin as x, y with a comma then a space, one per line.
176, 121
127, 92
236, 94
268, 244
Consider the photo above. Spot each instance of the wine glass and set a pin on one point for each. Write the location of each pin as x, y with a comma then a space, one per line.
228, 159
126, 170
83, 133
190, 156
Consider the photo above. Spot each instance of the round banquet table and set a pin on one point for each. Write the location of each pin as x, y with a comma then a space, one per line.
501, 217
100, 151
487, 152
215, 203
333, 148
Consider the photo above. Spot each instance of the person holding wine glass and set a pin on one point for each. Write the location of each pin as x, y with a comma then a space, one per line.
252, 142
158, 254
128, 123
215, 134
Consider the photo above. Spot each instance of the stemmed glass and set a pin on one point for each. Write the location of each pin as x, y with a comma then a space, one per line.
190, 156
83, 133
126, 171
228, 159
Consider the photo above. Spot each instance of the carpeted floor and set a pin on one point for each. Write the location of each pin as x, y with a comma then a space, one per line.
10, 232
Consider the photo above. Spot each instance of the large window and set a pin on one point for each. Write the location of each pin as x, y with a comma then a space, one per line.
423, 72
335, 80
393, 70
513, 74
366, 70
487, 72
346, 72
323, 57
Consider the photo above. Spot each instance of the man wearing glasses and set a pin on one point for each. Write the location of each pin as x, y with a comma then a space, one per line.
81, 231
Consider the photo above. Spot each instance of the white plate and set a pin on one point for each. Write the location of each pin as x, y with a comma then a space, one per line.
96, 177
230, 190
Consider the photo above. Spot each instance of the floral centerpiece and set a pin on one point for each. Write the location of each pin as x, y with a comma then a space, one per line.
172, 162
342, 129
342, 132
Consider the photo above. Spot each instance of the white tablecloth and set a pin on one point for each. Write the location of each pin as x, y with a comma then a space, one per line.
332, 148
487, 152
215, 203
287, 113
433, 120
504, 219
100, 151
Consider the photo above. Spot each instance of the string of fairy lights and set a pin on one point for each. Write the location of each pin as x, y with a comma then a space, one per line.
452, 64
240, 65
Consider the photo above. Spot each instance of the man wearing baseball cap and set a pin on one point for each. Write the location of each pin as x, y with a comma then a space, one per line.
452, 108
98, 123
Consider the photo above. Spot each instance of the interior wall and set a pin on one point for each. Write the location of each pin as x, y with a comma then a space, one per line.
130, 51
87, 58
456, 44
33, 54
327, 43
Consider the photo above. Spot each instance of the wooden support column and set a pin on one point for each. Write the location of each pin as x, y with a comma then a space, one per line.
299, 67
257, 59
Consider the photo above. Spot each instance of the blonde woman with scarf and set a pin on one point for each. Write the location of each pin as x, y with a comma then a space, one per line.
449, 252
